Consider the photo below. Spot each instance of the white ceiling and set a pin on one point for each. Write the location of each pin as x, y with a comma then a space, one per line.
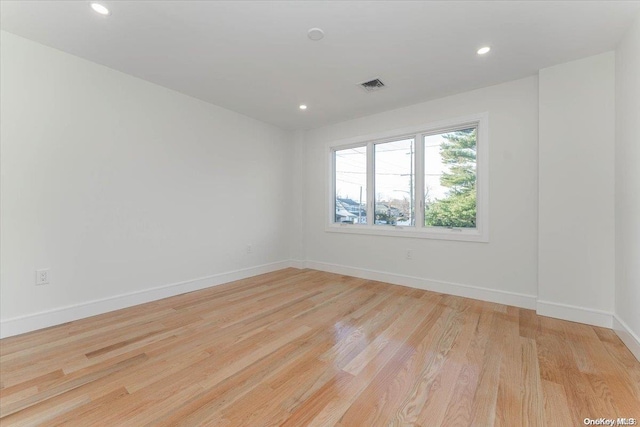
254, 57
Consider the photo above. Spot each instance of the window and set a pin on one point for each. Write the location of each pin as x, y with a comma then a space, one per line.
394, 182
450, 178
429, 181
351, 185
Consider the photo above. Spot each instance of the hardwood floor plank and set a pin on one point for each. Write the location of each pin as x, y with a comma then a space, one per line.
89, 413
412, 381
70, 382
460, 408
435, 408
483, 408
510, 396
5, 392
207, 407
532, 393
556, 406
377, 373
42, 413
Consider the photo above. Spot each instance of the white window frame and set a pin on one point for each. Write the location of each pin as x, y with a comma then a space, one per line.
478, 234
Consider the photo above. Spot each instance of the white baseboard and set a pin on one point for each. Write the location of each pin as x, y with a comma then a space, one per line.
32, 322
467, 291
575, 314
628, 337
297, 263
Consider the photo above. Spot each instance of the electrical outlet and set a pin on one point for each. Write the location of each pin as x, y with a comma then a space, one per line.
249, 248
42, 276
409, 254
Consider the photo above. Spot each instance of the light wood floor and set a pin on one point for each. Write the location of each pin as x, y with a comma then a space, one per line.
302, 347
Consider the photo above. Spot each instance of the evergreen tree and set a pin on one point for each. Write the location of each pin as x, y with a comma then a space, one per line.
458, 209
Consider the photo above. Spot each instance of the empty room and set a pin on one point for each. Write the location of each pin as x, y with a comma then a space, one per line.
319, 213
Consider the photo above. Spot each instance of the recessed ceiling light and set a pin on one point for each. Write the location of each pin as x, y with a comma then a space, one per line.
315, 34
98, 8
303, 107
484, 50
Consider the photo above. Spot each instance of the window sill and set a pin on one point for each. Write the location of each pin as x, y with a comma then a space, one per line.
435, 233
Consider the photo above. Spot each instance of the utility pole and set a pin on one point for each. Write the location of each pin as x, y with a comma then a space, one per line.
360, 205
411, 187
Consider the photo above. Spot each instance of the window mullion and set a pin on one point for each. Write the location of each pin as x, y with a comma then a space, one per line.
419, 181
371, 208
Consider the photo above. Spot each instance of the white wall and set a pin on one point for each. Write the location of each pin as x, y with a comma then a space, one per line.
121, 186
504, 269
298, 199
627, 178
576, 218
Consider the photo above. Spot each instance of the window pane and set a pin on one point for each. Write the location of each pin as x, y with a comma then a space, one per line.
351, 185
450, 179
394, 182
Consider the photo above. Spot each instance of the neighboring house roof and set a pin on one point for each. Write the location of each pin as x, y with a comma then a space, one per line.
348, 202
341, 211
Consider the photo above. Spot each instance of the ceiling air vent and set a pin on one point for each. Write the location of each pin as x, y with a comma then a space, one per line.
372, 85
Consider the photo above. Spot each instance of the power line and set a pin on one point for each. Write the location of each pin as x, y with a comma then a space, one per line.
377, 151
350, 182
377, 173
